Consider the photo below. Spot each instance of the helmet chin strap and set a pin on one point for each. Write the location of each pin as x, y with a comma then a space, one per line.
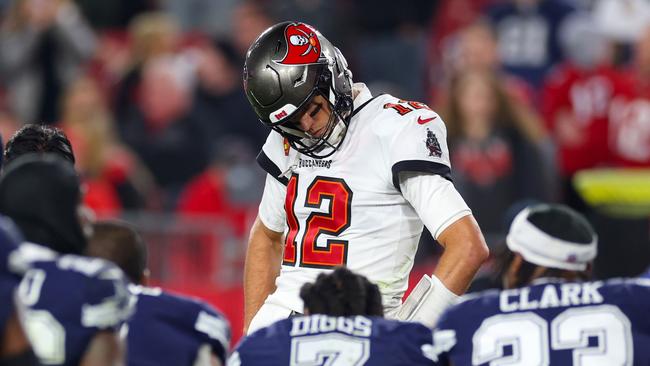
337, 133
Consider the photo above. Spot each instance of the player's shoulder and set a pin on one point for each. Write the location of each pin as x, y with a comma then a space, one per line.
481, 298
183, 311
483, 301
89, 270
28, 255
265, 345
383, 326
276, 156
274, 331
621, 288
173, 302
159, 298
389, 116
101, 291
408, 336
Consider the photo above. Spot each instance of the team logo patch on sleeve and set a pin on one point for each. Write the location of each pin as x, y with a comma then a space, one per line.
432, 144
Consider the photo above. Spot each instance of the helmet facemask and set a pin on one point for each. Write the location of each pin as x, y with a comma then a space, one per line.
340, 109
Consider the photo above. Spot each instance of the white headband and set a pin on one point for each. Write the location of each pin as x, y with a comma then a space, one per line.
539, 248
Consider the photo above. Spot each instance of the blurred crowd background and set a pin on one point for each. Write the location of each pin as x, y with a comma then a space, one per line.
544, 100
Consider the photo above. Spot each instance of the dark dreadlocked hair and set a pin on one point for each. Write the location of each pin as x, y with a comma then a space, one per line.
342, 293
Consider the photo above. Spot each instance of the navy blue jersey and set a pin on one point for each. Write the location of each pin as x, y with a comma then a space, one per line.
170, 329
325, 340
64, 302
552, 323
529, 38
9, 239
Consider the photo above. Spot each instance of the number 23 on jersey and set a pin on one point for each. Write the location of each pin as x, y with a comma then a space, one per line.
332, 222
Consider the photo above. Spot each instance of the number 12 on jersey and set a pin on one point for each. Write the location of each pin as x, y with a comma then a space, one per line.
333, 222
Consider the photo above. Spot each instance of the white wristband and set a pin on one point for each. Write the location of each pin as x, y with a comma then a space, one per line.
426, 303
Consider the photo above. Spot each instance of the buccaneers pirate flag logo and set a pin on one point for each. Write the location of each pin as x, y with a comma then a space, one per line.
432, 144
303, 46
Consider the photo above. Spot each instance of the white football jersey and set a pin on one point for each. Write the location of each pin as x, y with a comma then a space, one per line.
347, 209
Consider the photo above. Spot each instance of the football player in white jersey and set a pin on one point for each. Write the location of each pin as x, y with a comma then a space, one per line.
351, 180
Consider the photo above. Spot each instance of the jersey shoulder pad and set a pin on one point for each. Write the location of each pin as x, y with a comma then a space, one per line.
485, 300
215, 327
101, 299
276, 156
27, 255
191, 314
414, 138
265, 345
630, 289
405, 333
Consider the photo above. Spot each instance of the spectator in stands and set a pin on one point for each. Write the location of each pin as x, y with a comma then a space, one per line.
161, 129
205, 16
230, 187
9, 122
622, 21
527, 32
450, 19
152, 35
44, 46
494, 148
114, 14
250, 19
629, 117
576, 100
111, 62
113, 176
476, 48
219, 105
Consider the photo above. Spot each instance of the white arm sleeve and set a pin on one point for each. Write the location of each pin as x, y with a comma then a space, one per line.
271, 210
434, 198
